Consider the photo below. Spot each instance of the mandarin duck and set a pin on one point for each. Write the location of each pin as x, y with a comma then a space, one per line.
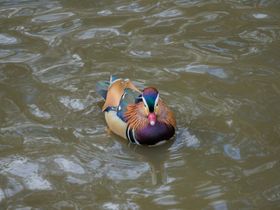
140, 117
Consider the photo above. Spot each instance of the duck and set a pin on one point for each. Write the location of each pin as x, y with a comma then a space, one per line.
141, 117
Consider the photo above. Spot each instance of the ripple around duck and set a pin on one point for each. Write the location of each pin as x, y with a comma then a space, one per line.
166, 200
219, 205
160, 195
118, 162
209, 191
184, 139
111, 161
227, 174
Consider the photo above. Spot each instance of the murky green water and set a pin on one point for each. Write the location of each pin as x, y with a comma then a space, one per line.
216, 63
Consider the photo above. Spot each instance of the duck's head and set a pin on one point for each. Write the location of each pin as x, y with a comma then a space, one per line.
150, 97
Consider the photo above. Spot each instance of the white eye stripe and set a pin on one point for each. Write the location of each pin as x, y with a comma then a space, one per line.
145, 102
156, 101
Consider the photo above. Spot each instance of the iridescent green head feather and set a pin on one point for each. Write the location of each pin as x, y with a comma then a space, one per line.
150, 98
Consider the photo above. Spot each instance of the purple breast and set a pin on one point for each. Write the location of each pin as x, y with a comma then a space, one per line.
153, 134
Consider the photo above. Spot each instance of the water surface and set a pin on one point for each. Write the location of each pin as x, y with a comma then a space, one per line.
216, 63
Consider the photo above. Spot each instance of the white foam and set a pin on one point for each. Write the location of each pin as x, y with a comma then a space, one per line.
69, 166
35, 110
260, 16
72, 103
28, 172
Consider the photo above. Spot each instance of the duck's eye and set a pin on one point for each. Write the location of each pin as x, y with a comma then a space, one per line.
156, 105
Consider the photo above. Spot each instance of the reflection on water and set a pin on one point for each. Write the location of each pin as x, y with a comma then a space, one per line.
216, 63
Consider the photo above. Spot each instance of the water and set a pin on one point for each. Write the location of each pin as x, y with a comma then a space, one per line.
216, 63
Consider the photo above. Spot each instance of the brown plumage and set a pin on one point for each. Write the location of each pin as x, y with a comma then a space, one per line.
166, 115
135, 116
137, 119
139, 116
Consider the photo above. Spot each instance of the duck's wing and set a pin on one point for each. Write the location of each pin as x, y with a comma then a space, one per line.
116, 91
129, 97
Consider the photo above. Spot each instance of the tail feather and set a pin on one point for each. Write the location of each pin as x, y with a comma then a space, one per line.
102, 88
113, 78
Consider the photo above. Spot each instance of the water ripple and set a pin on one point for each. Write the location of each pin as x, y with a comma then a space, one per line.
227, 174
133, 7
35, 110
203, 54
209, 191
168, 13
69, 166
259, 169
257, 36
54, 71
52, 17
260, 15
115, 206
273, 193
216, 64
166, 200
51, 32
75, 104
26, 8
232, 152
184, 139
13, 187
203, 69
6, 39
98, 33
28, 172
140, 54
105, 12
17, 56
